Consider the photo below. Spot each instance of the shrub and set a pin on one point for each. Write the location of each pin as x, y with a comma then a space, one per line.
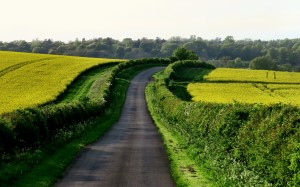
7, 138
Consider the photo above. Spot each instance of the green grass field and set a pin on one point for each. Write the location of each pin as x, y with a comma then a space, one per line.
32, 79
225, 85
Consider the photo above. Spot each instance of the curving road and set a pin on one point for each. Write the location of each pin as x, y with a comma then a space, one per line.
130, 154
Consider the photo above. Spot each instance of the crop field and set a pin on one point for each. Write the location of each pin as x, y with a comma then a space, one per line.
33, 79
225, 85
245, 75
12, 60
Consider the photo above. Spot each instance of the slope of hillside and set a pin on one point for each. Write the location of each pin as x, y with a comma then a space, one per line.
33, 79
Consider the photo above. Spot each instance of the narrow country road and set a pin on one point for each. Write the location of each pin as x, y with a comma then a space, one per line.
130, 154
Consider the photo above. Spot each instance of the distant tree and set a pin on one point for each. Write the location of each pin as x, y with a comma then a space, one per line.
39, 49
199, 46
61, 49
23, 46
284, 54
120, 52
273, 53
38, 46
263, 62
52, 51
11, 46
168, 48
229, 40
136, 43
182, 53
147, 45
230, 64
136, 53
2, 47
127, 42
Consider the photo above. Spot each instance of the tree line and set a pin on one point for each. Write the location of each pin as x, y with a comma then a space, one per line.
256, 54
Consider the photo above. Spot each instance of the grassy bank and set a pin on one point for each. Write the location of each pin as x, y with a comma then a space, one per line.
88, 85
184, 170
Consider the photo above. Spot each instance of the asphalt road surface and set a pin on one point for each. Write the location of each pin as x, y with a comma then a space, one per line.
130, 154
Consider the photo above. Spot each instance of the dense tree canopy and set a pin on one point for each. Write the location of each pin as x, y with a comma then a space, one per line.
263, 62
181, 53
284, 54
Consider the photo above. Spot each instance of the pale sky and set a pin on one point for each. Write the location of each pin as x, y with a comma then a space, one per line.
67, 20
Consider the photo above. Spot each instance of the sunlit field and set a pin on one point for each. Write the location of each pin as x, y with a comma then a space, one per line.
32, 79
245, 75
225, 85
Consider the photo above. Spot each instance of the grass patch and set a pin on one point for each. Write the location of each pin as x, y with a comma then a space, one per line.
87, 85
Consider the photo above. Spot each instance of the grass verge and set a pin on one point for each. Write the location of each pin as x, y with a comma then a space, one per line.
184, 170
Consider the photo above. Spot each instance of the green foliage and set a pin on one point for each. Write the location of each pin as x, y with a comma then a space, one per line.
182, 53
184, 169
7, 138
27, 132
264, 62
238, 144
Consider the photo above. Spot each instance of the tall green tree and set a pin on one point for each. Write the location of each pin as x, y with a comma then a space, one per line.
181, 53
263, 62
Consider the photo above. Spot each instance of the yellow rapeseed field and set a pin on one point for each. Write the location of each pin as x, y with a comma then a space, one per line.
246, 75
225, 85
10, 59
291, 92
32, 79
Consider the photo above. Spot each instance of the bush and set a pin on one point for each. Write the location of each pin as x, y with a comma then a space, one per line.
182, 53
7, 138
27, 131
170, 71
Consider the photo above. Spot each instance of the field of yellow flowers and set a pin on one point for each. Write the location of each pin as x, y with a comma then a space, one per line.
33, 79
226, 85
